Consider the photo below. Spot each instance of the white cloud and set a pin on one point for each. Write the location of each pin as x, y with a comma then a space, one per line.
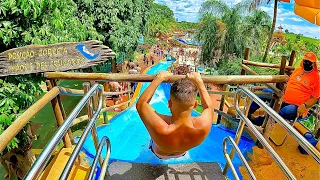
310, 31
296, 19
280, 19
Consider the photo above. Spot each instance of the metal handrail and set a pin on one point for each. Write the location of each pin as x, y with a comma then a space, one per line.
104, 141
75, 153
291, 130
260, 137
44, 157
244, 161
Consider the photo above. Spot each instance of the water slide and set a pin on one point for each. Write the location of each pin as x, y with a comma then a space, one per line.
130, 139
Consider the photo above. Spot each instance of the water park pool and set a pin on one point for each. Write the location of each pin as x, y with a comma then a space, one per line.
130, 139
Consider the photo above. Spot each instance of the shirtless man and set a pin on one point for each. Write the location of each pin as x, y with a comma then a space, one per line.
173, 135
115, 87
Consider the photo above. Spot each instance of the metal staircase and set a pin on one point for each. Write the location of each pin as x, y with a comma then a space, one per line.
41, 162
124, 170
250, 96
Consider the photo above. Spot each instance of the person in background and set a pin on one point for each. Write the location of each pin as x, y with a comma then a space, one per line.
172, 136
145, 60
115, 87
152, 60
302, 91
138, 68
133, 84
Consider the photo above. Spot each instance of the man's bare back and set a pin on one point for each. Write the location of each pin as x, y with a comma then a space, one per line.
173, 135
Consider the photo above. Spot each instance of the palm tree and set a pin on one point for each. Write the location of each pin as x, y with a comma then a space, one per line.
256, 27
230, 29
232, 17
255, 4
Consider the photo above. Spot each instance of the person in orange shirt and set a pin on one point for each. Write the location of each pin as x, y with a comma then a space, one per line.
302, 91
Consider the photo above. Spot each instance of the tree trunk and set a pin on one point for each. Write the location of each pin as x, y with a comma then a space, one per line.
114, 65
272, 30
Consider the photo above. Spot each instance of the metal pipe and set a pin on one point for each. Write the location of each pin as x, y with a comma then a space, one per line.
44, 157
240, 126
291, 130
262, 140
104, 141
244, 161
76, 151
90, 110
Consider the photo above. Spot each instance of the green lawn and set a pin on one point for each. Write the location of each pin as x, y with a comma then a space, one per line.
304, 38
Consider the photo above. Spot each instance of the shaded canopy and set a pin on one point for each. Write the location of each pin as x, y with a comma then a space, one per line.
307, 9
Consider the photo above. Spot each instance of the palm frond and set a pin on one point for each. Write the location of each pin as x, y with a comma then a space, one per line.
216, 7
256, 3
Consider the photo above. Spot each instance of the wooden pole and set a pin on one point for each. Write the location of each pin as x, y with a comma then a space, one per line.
86, 87
234, 79
291, 61
246, 57
282, 71
225, 88
77, 92
277, 106
59, 116
292, 56
267, 65
278, 92
95, 98
54, 83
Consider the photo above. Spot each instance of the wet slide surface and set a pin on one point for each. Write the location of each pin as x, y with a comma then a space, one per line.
130, 139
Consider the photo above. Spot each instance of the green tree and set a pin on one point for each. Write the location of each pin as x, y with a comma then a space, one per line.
27, 22
121, 22
238, 29
256, 3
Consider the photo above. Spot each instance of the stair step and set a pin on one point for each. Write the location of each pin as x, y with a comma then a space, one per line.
141, 171
56, 166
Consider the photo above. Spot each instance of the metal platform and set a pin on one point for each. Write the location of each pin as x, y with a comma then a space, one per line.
136, 171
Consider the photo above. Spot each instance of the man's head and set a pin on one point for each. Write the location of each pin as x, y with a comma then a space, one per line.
183, 94
309, 62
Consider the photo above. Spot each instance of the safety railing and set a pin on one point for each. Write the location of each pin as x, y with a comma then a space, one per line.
104, 141
243, 160
91, 124
44, 157
289, 128
274, 115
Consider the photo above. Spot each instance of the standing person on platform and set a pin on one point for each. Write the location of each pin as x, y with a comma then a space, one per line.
302, 91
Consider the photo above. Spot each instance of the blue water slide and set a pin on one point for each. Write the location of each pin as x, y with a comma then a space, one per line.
130, 139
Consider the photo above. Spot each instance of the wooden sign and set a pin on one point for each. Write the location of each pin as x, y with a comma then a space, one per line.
54, 57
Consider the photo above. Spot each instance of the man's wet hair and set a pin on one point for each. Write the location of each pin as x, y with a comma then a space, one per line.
184, 90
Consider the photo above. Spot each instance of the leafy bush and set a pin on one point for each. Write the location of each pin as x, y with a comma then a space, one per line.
233, 67
27, 22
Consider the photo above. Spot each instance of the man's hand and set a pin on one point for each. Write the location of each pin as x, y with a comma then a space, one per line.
195, 77
301, 109
163, 76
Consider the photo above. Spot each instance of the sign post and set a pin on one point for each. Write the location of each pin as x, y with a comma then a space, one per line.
55, 57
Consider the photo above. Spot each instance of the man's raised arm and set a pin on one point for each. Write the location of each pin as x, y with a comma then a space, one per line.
145, 110
204, 95
207, 114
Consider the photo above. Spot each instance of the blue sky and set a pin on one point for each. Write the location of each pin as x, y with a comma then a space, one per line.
187, 10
